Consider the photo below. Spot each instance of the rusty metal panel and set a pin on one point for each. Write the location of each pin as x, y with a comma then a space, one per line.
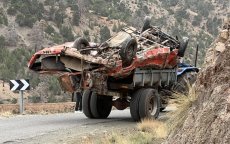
153, 77
66, 83
52, 63
75, 64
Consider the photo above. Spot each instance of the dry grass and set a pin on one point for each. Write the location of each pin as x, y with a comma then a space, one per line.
131, 137
116, 138
86, 140
6, 114
183, 103
147, 131
157, 128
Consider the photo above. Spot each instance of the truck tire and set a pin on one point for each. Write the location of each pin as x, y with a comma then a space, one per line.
93, 105
128, 52
149, 105
164, 98
134, 105
81, 43
183, 47
184, 82
101, 106
86, 103
146, 25
104, 106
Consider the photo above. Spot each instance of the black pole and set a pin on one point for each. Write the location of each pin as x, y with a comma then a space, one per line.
197, 47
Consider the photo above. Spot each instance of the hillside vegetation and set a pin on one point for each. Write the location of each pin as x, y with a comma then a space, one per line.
29, 25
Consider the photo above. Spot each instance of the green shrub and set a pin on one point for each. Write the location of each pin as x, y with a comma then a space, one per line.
52, 99
59, 17
2, 41
197, 20
11, 11
14, 101
25, 20
76, 18
3, 18
66, 33
49, 29
57, 38
104, 33
86, 34
54, 86
34, 99
169, 3
49, 2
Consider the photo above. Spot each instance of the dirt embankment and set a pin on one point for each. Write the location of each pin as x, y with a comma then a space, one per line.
208, 120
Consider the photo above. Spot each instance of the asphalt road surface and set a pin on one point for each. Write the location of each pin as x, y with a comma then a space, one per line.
59, 128
63, 128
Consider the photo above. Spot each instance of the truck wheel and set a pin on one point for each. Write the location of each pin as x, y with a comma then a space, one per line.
101, 106
183, 47
81, 43
149, 105
104, 106
86, 103
134, 105
164, 98
128, 52
184, 82
146, 25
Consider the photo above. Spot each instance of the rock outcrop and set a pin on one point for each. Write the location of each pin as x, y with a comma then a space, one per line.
208, 120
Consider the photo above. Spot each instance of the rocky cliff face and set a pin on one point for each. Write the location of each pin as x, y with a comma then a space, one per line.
208, 120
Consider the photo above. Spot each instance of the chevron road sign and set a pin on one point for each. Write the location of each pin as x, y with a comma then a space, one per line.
21, 85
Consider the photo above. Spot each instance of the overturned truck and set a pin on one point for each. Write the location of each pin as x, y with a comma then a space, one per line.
128, 70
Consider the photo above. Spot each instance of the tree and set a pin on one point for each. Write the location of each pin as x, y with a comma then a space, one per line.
11, 11
59, 17
86, 34
66, 33
49, 29
197, 20
2, 41
105, 33
12, 36
25, 20
37, 36
76, 18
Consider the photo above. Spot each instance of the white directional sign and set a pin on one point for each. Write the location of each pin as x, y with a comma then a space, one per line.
21, 85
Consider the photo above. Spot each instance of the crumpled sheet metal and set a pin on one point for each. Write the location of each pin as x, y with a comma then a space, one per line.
159, 58
88, 58
66, 83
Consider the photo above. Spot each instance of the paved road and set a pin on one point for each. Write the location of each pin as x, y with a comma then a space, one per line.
62, 128
56, 128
